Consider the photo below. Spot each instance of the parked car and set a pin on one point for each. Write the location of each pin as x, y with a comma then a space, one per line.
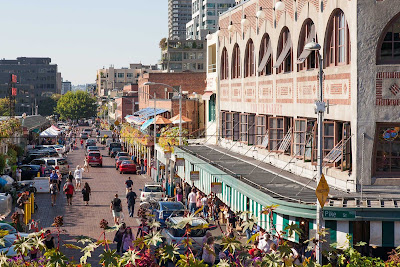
12, 233
113, 145
90, 142
92, 148
29, 172
95, 158
121, 154
114, 151
58, 163
154, 191
168, 209
84, 136
127, 166
88, 131
175, 236
120, 159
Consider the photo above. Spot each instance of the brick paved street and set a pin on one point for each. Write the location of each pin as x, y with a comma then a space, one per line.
85, 220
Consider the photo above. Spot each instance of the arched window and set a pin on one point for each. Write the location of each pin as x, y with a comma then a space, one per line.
337, 46
249, 59
307, 59
265, 64
285, 55
224, 64
389, 48
235, 62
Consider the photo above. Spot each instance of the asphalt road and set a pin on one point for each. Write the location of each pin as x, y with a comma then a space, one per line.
79, 219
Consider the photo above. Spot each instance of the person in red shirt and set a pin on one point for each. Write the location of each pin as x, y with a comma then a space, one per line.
145, 165
69, 190
81, 143
254, 249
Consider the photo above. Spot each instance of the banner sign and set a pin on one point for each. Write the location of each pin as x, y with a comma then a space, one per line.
14, 91
216, 188
194, 175
180, 162
13, 78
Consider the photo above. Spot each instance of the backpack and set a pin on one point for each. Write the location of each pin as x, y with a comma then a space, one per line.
117, 204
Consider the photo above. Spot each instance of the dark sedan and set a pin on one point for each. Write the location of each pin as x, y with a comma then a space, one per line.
29, 171
165, 209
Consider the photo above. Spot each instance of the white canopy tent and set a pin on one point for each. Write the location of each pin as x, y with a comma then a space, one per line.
50, 132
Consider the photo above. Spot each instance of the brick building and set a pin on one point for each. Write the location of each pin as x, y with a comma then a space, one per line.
268, 84
193, 85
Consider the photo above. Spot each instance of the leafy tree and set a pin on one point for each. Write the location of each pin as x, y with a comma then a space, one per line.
48, 105
163, 43
4, 107
76, 105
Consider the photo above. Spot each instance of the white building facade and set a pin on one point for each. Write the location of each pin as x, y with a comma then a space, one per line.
266, 84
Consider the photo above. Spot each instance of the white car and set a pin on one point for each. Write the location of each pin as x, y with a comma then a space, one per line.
177, 236
58, 164
152, 191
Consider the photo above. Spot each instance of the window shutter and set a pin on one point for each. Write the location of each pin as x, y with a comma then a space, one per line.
265, 59
285, 51
305, 52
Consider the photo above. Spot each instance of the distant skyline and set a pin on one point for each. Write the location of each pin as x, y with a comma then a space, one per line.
83, 36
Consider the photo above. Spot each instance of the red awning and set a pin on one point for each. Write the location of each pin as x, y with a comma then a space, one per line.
207, 95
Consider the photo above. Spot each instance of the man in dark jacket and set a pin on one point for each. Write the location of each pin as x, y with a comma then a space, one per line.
130, 200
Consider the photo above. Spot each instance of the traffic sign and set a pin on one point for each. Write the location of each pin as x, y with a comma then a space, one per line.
322, 191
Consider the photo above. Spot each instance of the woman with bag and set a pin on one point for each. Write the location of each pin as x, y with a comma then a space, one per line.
69, 191
53, 193
127, 240
86, 191
119, 235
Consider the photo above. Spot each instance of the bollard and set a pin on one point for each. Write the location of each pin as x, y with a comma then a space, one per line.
38, 174
32, 203
26, 211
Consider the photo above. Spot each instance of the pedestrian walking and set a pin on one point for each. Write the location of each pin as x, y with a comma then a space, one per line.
53, 193
78, 177
143, 229
86, 192
69, 191
86, 164
81, 143
192, 201
204, 203
18, 173
198, 199
141, 166
49, 240
128, 184
116, 208
208, 255
42, 169
179, 193
119, 235
145, 165
53, 177
131, 200
59, 180
127, 240
19, 208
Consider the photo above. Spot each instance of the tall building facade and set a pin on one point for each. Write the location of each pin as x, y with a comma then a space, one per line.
205, 15
179, 13
66, 87
115, 79
37, 79
183, 55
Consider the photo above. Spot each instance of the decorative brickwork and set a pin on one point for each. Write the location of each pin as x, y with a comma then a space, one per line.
387, 89
267, 6
250, 13
289, 9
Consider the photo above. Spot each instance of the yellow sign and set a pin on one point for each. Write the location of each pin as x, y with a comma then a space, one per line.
322, 191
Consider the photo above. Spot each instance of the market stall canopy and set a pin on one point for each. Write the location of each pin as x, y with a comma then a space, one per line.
50, 132
148, 112
176, 119
134, 119
159, 120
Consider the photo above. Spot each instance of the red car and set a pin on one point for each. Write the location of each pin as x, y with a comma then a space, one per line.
127, 166
120, 159
95, 158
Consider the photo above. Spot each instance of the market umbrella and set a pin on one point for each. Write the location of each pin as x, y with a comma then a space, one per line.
176, 119
159, 120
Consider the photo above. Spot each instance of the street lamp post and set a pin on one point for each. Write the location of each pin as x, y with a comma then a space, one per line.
320, 110
180, 106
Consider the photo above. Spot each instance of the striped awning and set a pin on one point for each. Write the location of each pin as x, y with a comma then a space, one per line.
149, 112
384, 234
134, 119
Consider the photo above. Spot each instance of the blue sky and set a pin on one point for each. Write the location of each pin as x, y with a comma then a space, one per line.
83, 36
